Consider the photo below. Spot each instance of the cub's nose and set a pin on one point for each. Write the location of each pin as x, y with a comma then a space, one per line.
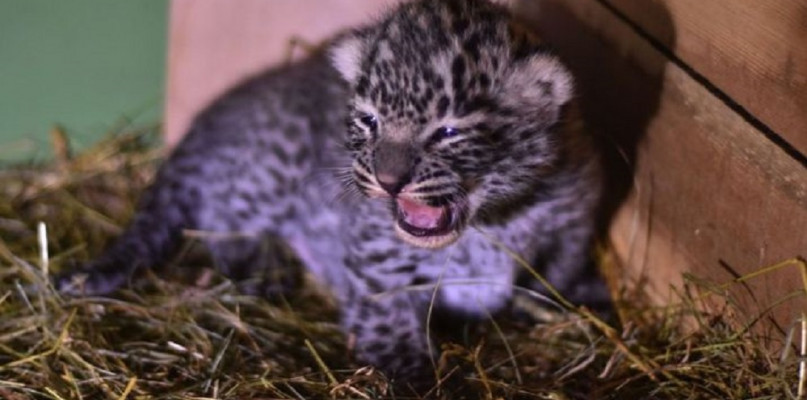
391, 183
393, 163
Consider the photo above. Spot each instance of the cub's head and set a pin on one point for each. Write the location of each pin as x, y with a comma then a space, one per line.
454, 115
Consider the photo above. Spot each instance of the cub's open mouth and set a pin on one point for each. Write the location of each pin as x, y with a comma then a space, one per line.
426, 226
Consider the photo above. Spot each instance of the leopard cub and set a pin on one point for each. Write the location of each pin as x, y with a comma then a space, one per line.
426, 150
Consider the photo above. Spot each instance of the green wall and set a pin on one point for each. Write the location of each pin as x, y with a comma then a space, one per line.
84, 64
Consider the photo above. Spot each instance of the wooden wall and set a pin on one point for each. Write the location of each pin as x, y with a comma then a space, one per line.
701, 104
214, 44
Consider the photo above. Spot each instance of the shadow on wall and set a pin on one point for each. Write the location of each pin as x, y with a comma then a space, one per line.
619, 97
619, 92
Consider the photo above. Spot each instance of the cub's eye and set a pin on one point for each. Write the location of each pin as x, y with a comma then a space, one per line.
369, 120
445, 132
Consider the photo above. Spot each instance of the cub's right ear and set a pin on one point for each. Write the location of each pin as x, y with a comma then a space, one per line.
538, 84
347, 55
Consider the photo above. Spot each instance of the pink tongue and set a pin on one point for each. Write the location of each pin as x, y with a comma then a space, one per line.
420, 215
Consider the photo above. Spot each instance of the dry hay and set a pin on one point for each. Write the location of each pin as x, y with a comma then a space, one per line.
174, 338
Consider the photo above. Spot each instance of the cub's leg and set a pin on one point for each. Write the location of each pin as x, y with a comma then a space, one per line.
389, 332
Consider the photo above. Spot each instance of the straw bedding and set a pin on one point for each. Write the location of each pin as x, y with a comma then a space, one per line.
190, 334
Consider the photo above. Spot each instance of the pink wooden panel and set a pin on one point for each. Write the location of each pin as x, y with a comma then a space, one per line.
213, 44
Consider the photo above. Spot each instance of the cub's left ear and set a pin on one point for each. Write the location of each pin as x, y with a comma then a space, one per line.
540, 83
347, 55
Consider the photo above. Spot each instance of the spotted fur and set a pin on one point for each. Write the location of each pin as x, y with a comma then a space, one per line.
425, 149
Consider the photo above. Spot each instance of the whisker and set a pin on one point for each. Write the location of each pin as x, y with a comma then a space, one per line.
346, 192
349, 187
427, 185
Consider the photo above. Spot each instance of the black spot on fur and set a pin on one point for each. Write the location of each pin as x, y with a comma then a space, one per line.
362, 86
458, 68
471, 46
459, 26
442, 106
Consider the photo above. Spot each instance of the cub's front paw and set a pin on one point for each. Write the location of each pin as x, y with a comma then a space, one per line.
408, 367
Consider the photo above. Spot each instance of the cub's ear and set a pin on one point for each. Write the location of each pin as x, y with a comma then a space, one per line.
539, 83
347, 55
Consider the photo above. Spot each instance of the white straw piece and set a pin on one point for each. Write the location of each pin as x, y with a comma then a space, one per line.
42, 234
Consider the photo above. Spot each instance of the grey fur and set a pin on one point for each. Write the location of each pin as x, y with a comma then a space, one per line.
273, 158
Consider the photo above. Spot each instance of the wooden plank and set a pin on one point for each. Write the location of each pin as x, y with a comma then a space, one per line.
214, 44
754, 51
695, 187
